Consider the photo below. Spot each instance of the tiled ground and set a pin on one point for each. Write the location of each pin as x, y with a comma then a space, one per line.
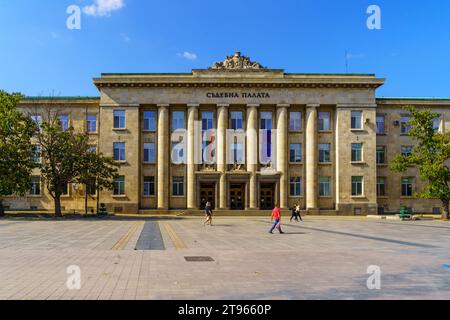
322, 258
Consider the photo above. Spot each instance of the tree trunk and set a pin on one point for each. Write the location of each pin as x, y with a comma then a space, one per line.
58, 212
98, 200
85, 201
445, 210
2, 209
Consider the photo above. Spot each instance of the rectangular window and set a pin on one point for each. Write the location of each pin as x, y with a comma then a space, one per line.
357, 120
65, 192
178, 120
150, 121
324, 153
266, 136
325, 186
178, 186
406, 151
357, 186
357, 152
93, 149
295, 153
407, 187
266, 121
381, 187
296, 186
119, 151
437, 125
237, 120
207, 121
37, 154
119, 186
91, 123
149, 186
404, 123
381, 155
149, 152
207, 137
237, 150
324, 121
295, 121
35, 186
37, 120
119, 119
381, 125
64, 121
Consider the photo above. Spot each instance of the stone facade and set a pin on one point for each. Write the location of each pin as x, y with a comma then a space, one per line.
247, 88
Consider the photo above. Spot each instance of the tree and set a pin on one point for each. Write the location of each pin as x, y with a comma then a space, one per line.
16, 151
430, 156
98, 173
62, 154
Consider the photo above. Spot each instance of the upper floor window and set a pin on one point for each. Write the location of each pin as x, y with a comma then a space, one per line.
356, 120
324, 121
357, 186
64, 121
150, 121
295, 121
324, 186
381, 155
437, 124
178, 120
35, 186
93, 149
207, 121
149, 153
91, 123
37, 119
295, 153
381, 124
296, 186
119, 119
405, 126
149, 186
237, 120
119, 151
237, 151
119, 186
178, 186
357, 152
324, 153
406, 151
266, 121
37, 154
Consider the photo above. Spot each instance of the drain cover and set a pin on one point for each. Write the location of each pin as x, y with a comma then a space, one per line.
199, 259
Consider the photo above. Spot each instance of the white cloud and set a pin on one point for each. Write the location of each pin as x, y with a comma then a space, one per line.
188, 55
103, 8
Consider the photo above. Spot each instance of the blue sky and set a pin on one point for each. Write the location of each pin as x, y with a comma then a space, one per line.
40, 56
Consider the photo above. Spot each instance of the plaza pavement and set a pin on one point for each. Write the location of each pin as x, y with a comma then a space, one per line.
321, 258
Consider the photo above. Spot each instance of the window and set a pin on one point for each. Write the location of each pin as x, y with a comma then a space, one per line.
65, 191
207, 121
381, 187
208, 139
178, 120
119, 119
37, 120
266, 132
266, 121
93, 149
37, 154
324, 153
91, 187
296, 186
356, 120
357, 150
91, 123
295, 153
381, 155
237, 121
295, 121
406, 151
35, 186
357, 186
178, 186
325, 186
407, 187
324, 121
149, 121
404, 124
437, 124
149, 152
119, 186
149, 186
119, 151
64, 121
237, 150
381, 125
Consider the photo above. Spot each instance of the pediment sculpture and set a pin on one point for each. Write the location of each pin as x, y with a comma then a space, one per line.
237, 62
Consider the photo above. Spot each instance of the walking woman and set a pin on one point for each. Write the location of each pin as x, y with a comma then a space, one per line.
208, 212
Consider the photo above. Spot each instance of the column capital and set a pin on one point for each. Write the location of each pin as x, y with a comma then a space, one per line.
193, 105
283, 105
165, 105
313, 105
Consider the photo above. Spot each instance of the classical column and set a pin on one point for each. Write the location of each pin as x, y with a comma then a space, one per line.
163, 157
222, 125
282, 153
192, 117
252, 154
311, 157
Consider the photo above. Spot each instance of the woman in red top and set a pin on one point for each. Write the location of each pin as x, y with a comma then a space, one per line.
276, 218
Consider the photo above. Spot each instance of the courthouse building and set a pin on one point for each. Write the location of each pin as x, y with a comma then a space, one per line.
323, 141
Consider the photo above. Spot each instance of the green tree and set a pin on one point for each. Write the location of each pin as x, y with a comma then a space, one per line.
97, 174
16, 151
431, 157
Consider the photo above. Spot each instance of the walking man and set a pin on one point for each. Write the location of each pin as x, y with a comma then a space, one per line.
208, 212
276, 219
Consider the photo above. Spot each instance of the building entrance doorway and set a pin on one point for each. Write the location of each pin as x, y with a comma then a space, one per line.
207, 194
237, 196
267, 196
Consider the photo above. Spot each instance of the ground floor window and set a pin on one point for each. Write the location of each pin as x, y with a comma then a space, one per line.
35, 186
325, 186
178, 186
357, 186
149, 186
407, 187
296, 186
381, 186
119, 186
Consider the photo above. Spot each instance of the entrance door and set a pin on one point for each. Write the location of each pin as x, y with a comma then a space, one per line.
207, 194
237, 196
267, 196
